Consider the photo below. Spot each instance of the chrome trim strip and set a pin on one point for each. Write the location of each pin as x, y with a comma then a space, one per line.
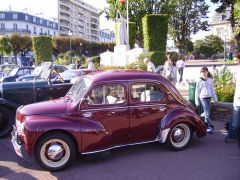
126, 107
145, 142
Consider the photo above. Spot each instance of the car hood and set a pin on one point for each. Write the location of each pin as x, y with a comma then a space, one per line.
46, 107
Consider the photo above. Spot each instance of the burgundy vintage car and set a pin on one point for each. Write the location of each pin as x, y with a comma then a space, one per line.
102, 111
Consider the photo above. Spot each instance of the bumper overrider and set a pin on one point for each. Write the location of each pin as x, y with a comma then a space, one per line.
17, 142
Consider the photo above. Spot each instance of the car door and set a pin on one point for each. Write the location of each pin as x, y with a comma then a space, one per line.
147, 107
107, 106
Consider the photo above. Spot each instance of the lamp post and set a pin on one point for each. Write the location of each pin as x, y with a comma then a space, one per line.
70, 44
123, 2
225, 33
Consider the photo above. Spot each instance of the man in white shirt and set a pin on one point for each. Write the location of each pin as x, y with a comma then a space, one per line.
150, 65
91, 65
235, 123
180, 68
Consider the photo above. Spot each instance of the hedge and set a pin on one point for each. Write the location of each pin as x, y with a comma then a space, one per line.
155, 30
132, 34
42, 46
157, 57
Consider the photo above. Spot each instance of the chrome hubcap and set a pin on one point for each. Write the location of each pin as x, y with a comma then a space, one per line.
55, 152
178, 134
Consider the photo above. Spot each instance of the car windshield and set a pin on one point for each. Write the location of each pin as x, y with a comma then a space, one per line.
37, 71
13, 72
79, 88
68, 74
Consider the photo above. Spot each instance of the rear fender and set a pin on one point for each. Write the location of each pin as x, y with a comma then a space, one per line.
181, 115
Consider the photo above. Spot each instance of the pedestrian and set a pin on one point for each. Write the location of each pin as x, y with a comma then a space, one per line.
78, 64
91, 65
204, 92
235, 123
180, 67
214, 70
170, 71
150, 65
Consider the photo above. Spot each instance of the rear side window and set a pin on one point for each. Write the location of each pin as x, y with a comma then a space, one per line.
146, 92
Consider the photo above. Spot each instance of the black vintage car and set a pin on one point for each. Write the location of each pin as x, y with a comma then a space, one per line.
17, 72
15, 94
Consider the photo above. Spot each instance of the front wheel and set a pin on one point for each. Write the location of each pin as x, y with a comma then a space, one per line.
179, 136
55, 151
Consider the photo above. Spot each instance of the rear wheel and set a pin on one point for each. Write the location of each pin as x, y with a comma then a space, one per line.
179, 136
7, 117
55, 151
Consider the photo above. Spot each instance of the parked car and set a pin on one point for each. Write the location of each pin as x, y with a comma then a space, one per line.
105, 110
17, 72
37, 73
5, 69
15, 94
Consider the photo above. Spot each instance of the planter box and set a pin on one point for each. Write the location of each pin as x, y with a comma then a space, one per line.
221, 111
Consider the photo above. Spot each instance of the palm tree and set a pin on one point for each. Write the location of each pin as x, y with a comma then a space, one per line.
5, 47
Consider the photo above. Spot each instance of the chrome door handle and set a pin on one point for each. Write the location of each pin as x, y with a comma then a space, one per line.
162, 108
87, 114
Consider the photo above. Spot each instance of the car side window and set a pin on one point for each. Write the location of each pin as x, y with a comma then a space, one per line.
27, 71
146, 92
107, 94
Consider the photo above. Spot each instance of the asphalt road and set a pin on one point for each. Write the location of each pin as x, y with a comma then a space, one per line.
207, 158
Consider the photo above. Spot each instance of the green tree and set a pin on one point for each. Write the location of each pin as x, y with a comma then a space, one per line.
20, 44
5, 47
138, 9
190, 17
211, 45
42, 46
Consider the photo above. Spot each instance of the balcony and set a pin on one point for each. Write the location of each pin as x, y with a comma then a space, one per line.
11, 30
66, 4
66, 18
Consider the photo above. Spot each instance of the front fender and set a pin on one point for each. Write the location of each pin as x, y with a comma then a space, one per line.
181, 115
37, 126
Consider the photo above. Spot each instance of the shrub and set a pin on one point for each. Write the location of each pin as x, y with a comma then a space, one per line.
224, 87
157, 57
42, 46
155, 30
132, 34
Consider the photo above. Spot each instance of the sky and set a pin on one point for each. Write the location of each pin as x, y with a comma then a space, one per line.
49, 10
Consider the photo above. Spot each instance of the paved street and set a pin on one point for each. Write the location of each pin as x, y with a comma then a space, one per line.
207, 158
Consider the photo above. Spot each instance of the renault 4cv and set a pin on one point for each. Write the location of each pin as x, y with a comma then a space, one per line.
105, 110
15, 94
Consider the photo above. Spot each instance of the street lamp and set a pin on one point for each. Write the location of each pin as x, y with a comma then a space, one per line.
70, 41
123, 2
225, 33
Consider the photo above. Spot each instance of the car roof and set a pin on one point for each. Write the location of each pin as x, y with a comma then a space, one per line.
124, 75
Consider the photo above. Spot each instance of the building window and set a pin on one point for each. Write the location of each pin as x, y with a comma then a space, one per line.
34, 19
27, 27
54, 33
41, 30
48, 32
2, 15
41, 21
34, 29
2, 26
14, 26
26, 17
15, 16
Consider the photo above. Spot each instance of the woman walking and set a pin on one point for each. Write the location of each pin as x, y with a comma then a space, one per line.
170, 71
204, 93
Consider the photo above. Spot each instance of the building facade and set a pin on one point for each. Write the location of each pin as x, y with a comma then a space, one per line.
13, 22
107, 36
221, 25
79, 18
